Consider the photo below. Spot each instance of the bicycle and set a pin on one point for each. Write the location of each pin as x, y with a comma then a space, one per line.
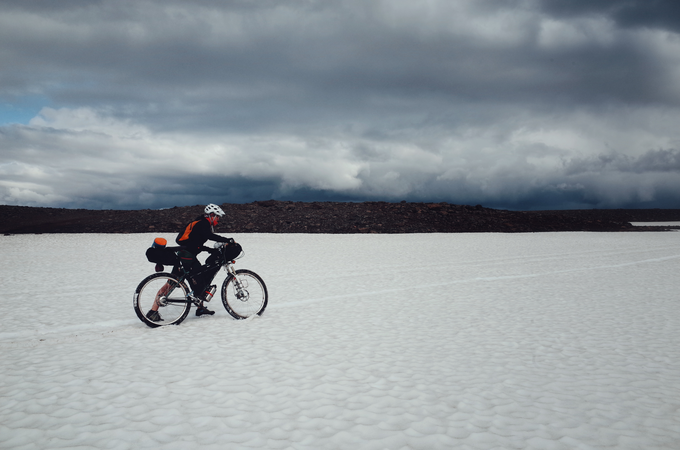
244, 293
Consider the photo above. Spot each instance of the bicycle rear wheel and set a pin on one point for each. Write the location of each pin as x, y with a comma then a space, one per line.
245, 295
168, 293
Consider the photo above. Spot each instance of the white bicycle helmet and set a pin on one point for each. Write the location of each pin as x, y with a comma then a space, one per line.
214, 209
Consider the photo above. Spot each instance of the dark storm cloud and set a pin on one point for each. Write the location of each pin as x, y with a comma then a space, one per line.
495, 102
260, 59
296, 63
663, 14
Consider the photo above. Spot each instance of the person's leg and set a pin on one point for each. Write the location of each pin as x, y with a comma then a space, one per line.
153, 314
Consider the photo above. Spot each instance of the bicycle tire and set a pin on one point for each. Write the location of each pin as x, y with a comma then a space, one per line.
250, 301
174, 306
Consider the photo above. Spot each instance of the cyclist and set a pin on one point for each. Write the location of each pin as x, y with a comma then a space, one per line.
192, 238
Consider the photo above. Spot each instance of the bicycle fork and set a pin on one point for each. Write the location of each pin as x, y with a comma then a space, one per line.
241, 293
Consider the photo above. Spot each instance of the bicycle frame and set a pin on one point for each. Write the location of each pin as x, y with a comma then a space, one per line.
228, 265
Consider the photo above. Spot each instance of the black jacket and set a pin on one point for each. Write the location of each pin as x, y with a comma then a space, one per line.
194, 235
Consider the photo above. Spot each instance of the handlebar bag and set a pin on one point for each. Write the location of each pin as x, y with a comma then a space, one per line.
231, 251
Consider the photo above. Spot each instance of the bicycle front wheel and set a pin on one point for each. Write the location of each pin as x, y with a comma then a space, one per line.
245, 295
165, 294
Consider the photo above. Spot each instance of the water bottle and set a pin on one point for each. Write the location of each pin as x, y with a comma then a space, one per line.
210, 292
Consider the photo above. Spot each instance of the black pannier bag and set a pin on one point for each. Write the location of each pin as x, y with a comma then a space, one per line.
162, 255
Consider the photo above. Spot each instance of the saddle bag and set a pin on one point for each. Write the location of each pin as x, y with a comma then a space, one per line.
158, 253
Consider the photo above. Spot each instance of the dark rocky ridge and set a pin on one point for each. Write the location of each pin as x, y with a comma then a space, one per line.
330, 217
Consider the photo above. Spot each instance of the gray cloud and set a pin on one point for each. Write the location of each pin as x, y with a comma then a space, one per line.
653, 161
511, 104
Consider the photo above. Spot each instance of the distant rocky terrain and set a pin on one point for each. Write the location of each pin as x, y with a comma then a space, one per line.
273, 216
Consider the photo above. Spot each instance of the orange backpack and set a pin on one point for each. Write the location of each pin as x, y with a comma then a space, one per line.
187, 231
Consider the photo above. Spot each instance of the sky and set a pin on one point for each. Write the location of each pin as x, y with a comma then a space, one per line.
512, 104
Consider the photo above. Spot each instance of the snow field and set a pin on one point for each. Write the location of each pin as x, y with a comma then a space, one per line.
479, 341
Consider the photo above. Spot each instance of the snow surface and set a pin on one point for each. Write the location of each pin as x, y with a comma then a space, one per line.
656, 224
426, 341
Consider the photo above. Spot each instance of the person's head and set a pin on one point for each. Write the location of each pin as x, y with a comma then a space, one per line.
213, 213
